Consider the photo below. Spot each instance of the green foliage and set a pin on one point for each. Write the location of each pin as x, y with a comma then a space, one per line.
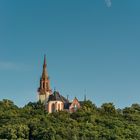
108, 108
89, 123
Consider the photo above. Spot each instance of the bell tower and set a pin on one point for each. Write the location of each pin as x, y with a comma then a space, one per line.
44, 89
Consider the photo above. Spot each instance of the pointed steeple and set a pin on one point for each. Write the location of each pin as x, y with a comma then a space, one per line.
44, 88
44, 73
44, 60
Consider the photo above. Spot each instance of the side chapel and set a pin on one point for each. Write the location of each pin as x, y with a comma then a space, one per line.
54, 101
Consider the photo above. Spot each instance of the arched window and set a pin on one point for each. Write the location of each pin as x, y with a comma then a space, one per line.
59, 107
75, 107
43, 84
46, 85
62, 106
56, 108
53, 107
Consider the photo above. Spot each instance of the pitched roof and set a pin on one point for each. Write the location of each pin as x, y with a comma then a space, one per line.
64, 99
57, 97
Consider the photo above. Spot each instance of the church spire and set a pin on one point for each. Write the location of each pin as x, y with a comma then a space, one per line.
45, 73
44, 88
44, 60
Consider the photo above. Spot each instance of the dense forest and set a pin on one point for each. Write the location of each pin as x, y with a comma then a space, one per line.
32, 122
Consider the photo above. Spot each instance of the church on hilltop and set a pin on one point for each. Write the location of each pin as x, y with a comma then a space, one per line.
54, 101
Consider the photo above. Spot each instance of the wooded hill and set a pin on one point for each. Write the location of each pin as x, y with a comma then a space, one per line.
32, 122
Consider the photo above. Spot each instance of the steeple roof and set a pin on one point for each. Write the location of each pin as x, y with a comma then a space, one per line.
44, 80
57, 97
44, 73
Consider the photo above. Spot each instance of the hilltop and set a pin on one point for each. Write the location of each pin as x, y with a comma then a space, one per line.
88, 123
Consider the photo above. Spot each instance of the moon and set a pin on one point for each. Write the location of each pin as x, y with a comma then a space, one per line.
108, 3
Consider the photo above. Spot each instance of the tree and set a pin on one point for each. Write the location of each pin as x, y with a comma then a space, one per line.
108, 108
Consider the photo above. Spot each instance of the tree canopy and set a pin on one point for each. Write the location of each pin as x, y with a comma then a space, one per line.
32, 122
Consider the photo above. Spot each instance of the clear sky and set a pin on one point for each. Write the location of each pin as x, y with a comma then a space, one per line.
92, 47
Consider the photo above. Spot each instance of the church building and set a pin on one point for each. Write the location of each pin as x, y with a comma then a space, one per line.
54, 101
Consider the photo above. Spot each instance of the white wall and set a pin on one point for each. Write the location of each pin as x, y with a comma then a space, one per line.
57, 103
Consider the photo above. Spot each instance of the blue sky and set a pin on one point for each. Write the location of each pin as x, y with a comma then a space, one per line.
92, 47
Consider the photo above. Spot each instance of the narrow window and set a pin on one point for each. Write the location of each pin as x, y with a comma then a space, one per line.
53, 107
